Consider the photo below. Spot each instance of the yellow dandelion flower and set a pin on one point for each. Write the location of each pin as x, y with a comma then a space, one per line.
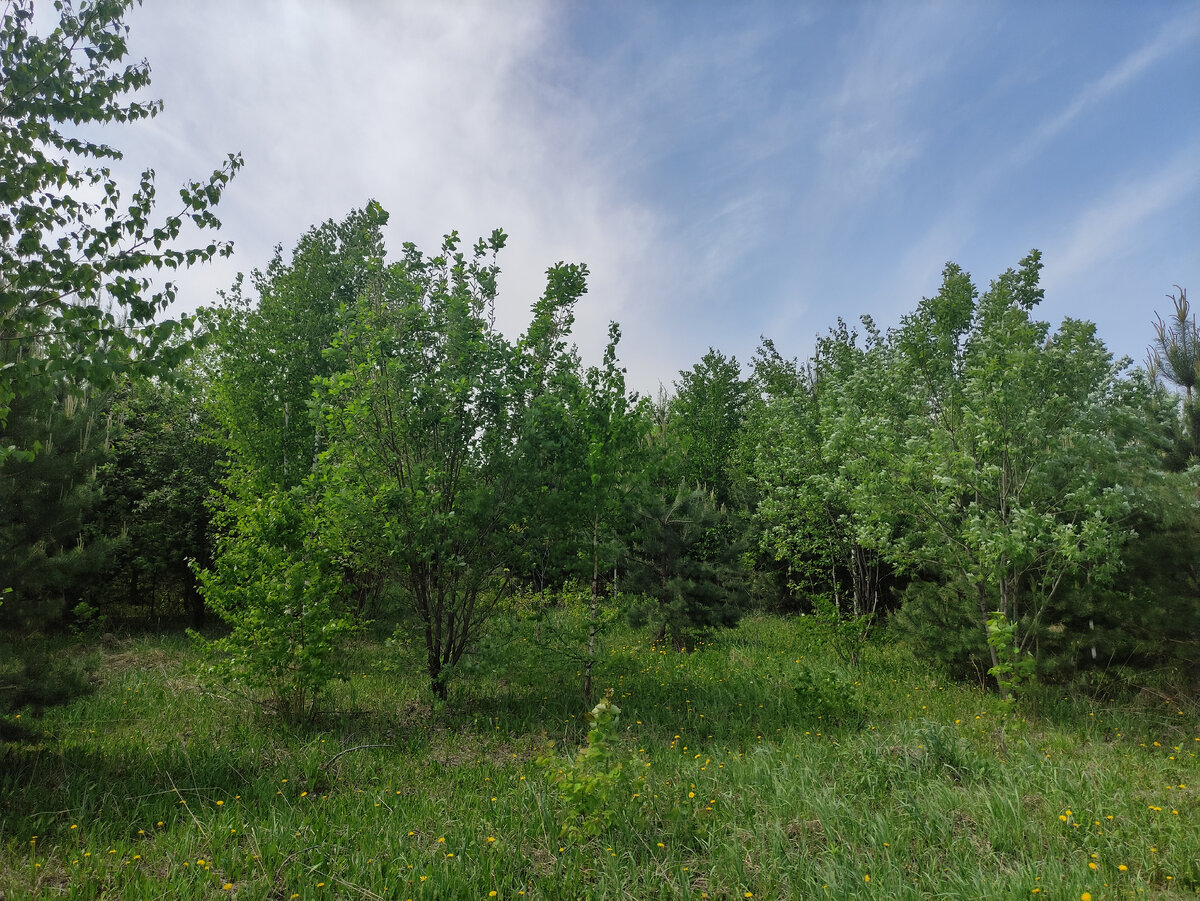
1086, 896
227, 886
1122, 867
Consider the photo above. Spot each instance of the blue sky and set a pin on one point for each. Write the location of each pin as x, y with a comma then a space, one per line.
727, 170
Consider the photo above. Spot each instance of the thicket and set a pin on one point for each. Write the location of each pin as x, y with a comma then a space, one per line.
346, 438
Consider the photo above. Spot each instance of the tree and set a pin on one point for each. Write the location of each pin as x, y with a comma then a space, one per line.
51, 545
166, 463
611, 424
707, 409
271, 353
76, 302
1175, 354
426, 418
999, 456
683, 556
806, 475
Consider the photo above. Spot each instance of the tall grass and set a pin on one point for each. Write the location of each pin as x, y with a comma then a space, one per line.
754, 765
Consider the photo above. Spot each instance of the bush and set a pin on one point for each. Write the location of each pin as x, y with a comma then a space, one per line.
281, 591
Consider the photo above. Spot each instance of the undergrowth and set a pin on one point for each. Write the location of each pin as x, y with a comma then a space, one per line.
755, 764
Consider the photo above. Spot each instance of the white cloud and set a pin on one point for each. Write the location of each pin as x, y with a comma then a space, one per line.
1110, 227
444, 113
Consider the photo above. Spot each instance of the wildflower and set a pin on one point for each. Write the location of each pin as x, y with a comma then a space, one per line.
1086, 896
1122, 867
227, 886
867, 877
220, 803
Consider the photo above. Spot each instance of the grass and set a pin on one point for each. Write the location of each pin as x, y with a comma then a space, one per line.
754, 766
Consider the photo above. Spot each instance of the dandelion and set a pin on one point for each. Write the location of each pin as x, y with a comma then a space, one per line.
1091, 865
227, 886
1086, 896
220, 803
866, 877
1122, 867
492, 893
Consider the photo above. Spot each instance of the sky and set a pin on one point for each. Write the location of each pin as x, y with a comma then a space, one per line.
728, 171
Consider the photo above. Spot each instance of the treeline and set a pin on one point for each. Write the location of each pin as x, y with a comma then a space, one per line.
352, 439
346, 438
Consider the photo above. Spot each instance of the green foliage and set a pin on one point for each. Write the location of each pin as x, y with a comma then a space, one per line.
427, 418
825, 699
1014, 670
707, 413
806, 475
270, 353
165, 465
996, 453
689, 583
590, 783
280, 590
52, 548
1175, 354
75, 303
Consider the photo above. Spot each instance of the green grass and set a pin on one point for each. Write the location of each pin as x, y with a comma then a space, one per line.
755, 764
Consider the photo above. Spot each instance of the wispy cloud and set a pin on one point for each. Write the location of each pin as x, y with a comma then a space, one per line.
1110, 227
1174, 36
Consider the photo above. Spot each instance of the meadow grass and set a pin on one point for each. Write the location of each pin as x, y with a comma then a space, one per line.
754, 765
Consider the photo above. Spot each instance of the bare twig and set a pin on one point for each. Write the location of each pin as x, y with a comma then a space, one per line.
327, 764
